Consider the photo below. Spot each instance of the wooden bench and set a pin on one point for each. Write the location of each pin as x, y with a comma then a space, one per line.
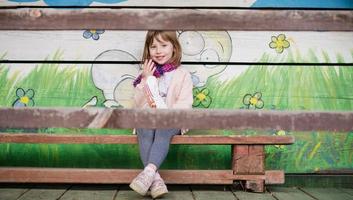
248, 159
247, 151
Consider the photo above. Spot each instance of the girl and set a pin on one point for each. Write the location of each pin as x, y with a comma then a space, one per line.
170, 86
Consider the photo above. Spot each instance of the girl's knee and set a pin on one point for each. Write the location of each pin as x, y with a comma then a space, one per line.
145, 133
166, 134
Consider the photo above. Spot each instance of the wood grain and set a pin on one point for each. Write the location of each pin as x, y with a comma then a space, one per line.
175, 19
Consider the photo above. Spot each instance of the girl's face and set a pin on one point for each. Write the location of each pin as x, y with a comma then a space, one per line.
161, 51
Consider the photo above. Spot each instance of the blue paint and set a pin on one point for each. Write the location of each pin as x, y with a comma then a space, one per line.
71, 2
305, 3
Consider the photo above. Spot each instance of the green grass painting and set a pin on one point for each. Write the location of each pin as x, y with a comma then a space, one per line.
324, 88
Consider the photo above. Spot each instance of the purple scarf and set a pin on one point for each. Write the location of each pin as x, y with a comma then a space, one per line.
160, 70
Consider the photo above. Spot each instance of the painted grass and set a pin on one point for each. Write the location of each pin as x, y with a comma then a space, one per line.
282, 88
55, 86
297, 88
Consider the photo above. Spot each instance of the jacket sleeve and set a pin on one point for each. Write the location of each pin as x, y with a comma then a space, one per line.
185, 98
140, 100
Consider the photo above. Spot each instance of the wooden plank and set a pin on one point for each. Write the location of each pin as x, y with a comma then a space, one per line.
41, 192
176, 19
90, 192
255, 185
240, 160
128, 194
212, 192
319, 180
175, 192
249, 160
256, 159
174, 118
179, 192
274, 177
128, 46
198, 176
347, 190
12, 191
326, 193
241, 195
132, 139
115, 176
288, 193
111, 176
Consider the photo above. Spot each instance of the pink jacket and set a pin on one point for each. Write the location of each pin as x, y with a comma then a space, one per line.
179, 94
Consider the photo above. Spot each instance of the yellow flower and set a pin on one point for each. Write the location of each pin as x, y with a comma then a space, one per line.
24, 100
253, 101
201, 97
279, 43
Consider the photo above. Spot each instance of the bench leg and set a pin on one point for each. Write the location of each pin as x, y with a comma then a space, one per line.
255, 185
249, 160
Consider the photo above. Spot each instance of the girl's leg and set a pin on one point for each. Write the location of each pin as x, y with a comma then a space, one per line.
143, 181
145, 139
160, 146
157, 153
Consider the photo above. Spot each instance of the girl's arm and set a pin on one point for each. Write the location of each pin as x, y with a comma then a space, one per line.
140, 100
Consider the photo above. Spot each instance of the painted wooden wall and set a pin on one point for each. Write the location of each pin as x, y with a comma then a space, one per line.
313, 86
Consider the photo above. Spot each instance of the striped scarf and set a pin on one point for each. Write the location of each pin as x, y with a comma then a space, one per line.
160, 70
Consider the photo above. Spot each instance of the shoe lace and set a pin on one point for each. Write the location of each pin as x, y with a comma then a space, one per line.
144, 178
158, 183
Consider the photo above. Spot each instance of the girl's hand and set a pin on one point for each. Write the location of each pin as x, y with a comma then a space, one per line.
148, 68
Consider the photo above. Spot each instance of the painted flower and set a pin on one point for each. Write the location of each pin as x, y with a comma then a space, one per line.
24, 99
253, 101
280, 133
279, 43
201, 97
94, 34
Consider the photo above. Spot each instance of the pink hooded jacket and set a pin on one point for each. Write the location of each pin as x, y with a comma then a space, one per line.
179, 94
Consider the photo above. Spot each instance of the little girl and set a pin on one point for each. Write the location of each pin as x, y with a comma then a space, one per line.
170, 85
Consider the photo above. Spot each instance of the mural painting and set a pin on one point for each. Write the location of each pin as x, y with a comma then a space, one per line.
268, 86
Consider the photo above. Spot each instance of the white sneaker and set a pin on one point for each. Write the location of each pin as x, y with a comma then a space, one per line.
142, 182
158, 187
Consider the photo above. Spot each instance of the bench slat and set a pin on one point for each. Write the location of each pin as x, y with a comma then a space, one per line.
132, 139
182, 118
117, 176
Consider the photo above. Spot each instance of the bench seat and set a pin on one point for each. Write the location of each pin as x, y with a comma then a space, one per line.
247, 161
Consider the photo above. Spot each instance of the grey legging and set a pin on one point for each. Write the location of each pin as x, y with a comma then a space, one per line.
154, 144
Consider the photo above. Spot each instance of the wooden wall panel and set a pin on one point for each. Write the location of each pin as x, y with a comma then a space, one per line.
176, 19
198, 46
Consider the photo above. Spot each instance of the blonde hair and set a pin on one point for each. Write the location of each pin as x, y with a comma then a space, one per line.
170, 36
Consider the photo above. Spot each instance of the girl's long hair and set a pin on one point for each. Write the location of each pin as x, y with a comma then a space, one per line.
170, 36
